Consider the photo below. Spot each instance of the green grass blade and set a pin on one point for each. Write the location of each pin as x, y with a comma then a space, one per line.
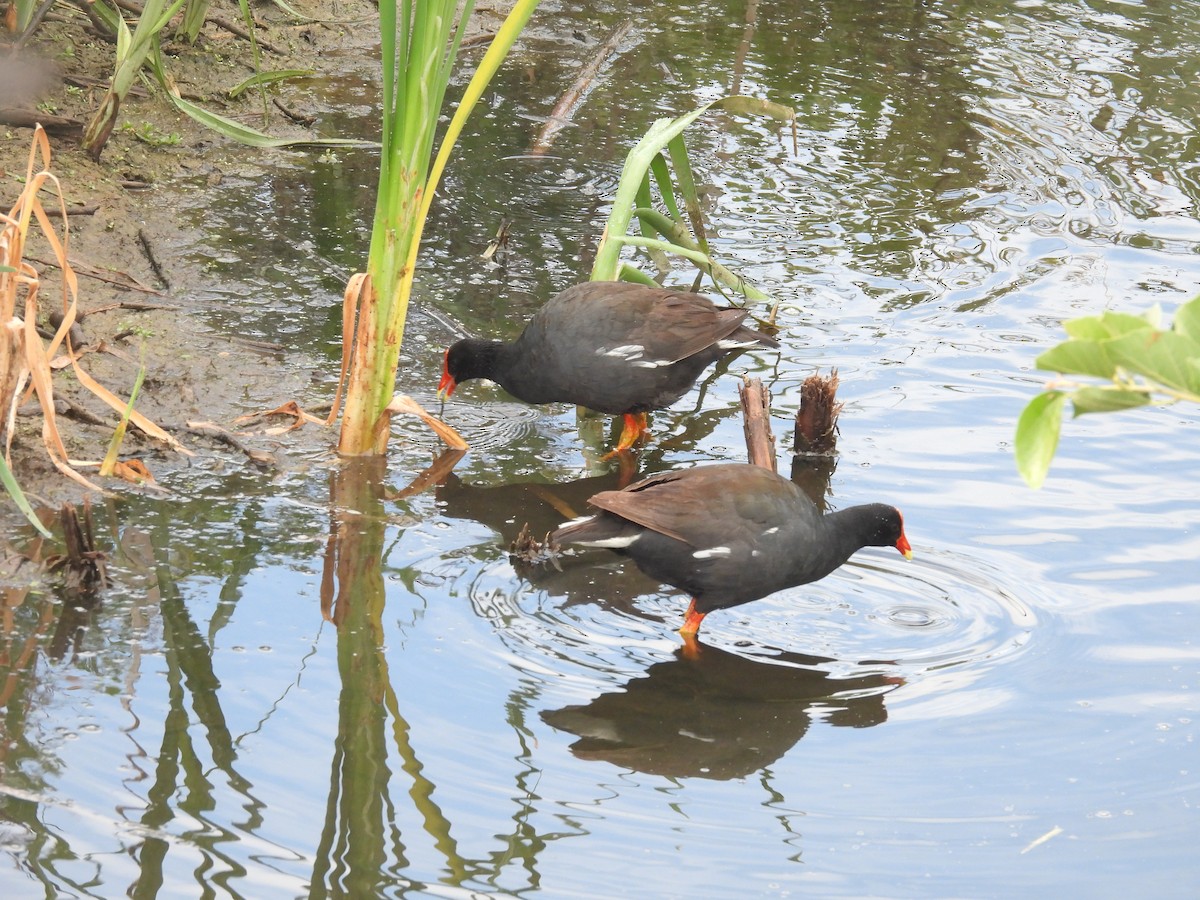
114, 444
678, 235
243, 134
18, 497
687, 187
265, 78
666, 188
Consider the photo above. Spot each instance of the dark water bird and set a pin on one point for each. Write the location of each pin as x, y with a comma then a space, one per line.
729, 534
614, 347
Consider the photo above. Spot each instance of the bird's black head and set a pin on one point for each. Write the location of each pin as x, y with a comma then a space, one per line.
886, 529
467, 359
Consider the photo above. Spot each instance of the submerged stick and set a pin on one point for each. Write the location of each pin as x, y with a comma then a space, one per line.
756, 422
560, 116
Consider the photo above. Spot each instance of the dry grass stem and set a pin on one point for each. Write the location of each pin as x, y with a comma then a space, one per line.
402, 403
25, 359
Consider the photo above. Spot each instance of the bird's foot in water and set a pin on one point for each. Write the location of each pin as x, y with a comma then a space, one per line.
635, 431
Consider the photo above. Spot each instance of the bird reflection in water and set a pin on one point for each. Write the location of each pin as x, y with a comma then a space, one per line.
715, 714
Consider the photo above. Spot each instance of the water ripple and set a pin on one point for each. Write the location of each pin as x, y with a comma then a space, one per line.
600, 621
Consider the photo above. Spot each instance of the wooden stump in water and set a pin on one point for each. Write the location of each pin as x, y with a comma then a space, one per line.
816, 420
756, 422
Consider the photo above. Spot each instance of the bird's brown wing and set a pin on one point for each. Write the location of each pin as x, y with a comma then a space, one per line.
679, 325
685, 505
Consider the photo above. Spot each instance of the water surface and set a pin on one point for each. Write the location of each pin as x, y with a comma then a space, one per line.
1012, 713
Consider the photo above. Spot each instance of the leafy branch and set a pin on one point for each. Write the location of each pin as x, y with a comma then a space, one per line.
1142, 362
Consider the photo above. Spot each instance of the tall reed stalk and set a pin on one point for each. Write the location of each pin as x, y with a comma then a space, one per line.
420, 41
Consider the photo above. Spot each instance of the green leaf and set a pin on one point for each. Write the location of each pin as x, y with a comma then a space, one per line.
1037, 436
1105, 326
263, 78
1106, 399
1119, 323
1187, 319
18, 497
243, 134
1159, 355
1086, 328
1078, 357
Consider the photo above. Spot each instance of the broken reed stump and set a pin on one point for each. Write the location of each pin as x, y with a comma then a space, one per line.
527, 554
756, 423
83, 575
816, 420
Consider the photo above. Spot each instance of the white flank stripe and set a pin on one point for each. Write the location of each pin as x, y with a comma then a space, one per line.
736, 345
771, 531
625, 351
711, 552
613, 543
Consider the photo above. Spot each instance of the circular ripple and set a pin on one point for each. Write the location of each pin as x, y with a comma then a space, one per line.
494, 424
601, 617
939, 610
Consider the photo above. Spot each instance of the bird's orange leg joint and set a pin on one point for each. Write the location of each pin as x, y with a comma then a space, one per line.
691, 622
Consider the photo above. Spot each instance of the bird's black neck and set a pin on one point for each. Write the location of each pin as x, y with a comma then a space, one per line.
869, 525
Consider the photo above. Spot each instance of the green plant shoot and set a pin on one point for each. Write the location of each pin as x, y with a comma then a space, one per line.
419, 45
669, 233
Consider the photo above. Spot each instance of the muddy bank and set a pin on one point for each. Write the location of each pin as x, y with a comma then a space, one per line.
129, 245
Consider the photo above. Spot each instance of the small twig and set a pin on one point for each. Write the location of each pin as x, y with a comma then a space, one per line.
241, 32
565, 107
478, 39
59, 126
262, 346
260, 458
499, 244
71, 409
299, 118
149, 252
125, 304
131, 284
55, 212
